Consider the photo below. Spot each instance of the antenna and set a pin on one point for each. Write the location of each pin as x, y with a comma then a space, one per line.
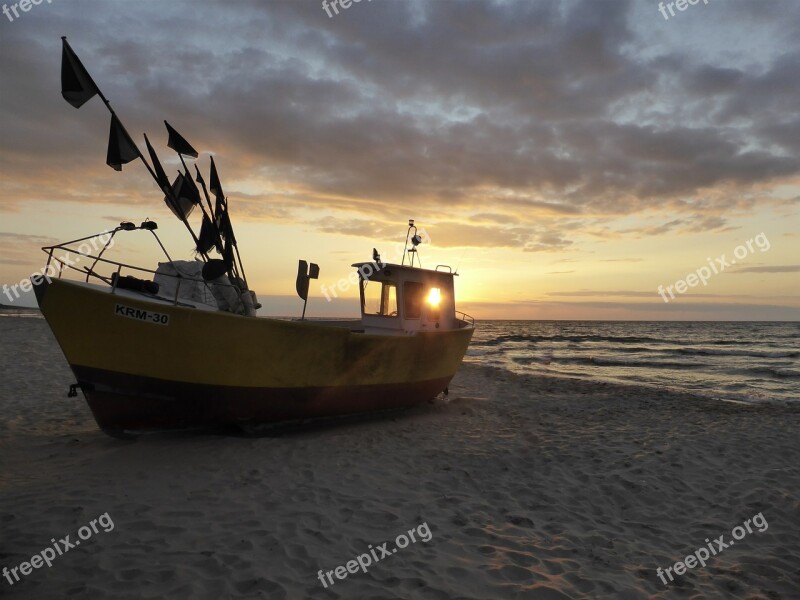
415, 240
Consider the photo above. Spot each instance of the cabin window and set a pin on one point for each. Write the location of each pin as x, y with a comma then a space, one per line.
380, 298
433, 299
413, 296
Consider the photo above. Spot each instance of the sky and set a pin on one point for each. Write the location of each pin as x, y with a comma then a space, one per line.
568, 158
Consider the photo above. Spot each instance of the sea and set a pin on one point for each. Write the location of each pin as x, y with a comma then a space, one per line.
737, 361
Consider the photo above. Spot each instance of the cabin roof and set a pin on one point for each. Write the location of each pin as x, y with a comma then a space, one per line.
376, 269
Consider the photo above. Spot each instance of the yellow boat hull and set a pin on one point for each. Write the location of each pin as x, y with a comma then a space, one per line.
146, 365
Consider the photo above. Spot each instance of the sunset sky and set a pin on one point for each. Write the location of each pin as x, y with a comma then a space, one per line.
569, 157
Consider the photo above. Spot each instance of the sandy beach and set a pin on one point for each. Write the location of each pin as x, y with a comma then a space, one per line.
530, 487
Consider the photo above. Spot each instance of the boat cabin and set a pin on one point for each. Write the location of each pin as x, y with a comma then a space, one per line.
401, 299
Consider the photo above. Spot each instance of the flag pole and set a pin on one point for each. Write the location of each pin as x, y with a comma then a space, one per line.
235, 244
183, 148
202, 208
202, 182
218, 193
236, 248
150, 170
114, 114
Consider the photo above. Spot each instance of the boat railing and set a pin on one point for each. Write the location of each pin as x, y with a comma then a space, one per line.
462, 316
113, 281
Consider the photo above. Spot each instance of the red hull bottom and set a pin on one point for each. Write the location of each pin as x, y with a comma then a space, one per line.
126, 403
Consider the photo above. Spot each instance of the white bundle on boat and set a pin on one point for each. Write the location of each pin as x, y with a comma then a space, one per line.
227, 296
186, 278
232, 295
221, 293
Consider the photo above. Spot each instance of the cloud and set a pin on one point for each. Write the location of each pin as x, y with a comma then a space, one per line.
628, 260
547, 242
605, 294
524, 124
770, 269
638, 294
11, 238
501, 124
23, 250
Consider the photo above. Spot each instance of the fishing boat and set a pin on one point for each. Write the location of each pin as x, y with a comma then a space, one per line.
139, 339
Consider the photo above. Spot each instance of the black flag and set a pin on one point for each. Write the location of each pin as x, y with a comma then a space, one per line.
301, 285
304, 274
121, 149
77, 85
182, 206
190, 189
207, 237
178, 143
213, 218
199, 178
227, 255
214, 184
161, 176
225, 227
219, 210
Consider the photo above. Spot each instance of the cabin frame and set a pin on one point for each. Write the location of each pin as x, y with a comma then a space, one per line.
396, 299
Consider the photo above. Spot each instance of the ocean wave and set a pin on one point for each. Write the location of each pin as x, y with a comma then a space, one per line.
640, 349
645, 364
773, 372
504, 339
605, 362
752, 353
623, 341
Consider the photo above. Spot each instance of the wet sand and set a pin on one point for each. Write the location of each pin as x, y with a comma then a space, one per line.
530, 487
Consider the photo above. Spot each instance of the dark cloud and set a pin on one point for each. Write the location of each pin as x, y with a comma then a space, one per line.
519, 117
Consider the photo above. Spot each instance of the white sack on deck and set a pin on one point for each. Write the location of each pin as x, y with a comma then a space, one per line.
193, 291
228, 297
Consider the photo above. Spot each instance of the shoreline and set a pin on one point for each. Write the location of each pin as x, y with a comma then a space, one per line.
643, 386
